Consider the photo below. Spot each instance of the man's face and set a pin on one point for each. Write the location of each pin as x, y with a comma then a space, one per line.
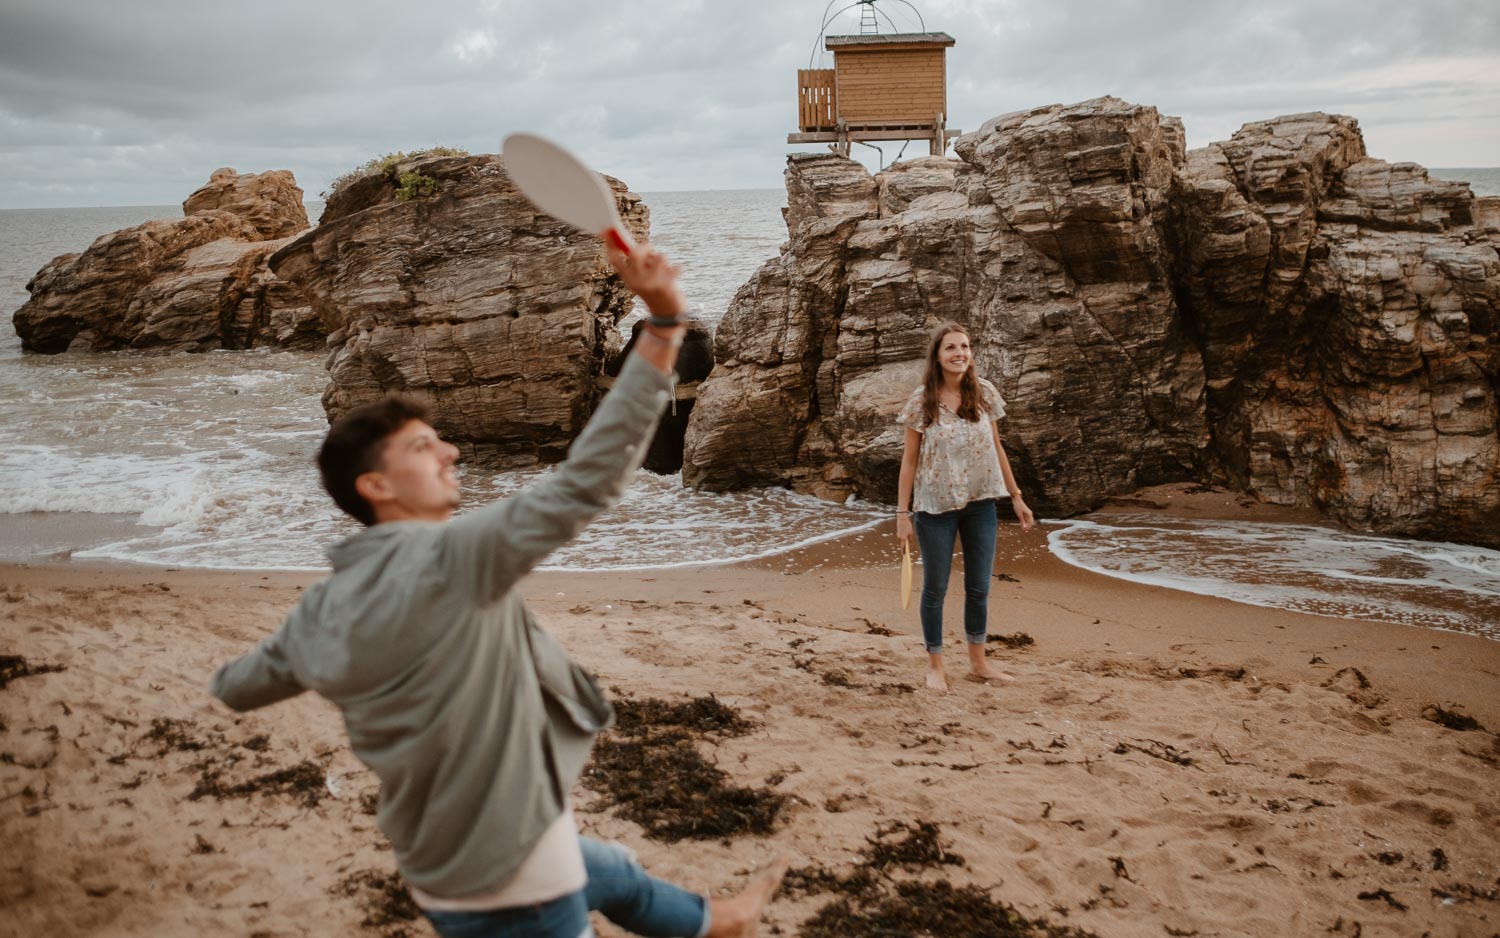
416, 479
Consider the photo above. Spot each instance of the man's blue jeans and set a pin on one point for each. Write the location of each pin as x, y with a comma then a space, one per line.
975, 525
618, 888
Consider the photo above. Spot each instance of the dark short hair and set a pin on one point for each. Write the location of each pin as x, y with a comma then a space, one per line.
355, 443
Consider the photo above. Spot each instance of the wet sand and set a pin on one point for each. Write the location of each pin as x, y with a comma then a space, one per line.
1164, 764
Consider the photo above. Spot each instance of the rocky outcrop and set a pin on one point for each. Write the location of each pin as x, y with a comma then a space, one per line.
499, 316
1277, 312
194, 283
271, 201
1348, 311
1052, 256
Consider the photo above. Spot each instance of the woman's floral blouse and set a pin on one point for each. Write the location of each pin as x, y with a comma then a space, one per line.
958, 463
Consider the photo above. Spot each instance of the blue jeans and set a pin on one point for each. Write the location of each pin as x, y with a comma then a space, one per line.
975, 525
617, 887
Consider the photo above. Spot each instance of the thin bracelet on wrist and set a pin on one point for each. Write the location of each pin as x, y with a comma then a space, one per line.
675, 341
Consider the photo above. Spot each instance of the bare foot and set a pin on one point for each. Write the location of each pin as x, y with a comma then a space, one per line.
984, 674
739, 915
937, 680
980, 670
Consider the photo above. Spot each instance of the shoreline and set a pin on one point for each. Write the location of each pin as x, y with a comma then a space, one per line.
1251, 770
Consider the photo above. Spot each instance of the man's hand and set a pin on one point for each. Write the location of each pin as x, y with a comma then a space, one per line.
651, 277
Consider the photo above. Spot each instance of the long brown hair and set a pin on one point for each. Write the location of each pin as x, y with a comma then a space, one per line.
932, 381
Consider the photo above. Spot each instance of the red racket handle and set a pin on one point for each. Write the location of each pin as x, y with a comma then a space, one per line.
617, 238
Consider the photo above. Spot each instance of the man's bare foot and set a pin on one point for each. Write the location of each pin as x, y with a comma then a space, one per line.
739, 915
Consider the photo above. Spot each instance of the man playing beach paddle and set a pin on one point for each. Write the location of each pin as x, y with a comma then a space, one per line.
474, 719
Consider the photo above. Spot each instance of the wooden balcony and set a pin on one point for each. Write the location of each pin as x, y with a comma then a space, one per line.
817, 100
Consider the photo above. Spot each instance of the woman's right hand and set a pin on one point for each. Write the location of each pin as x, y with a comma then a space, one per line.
904, 531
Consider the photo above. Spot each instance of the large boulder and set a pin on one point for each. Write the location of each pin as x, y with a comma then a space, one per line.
1349, 315
271, 201
194, 283
454, 288
1045, 240
1278, 312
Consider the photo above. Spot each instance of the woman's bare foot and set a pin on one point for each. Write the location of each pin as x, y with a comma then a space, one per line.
936, 679
986, 674
739, 915
980, 670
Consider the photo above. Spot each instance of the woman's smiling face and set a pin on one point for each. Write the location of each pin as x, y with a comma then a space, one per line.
954, 354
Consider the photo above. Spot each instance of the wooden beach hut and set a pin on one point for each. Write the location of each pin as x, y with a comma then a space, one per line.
890, 86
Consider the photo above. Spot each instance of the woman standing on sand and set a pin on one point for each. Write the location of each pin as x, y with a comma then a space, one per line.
953, 469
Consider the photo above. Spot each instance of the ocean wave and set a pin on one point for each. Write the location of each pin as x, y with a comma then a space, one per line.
1304, 568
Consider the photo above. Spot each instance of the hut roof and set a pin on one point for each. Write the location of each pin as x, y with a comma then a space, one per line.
883, 39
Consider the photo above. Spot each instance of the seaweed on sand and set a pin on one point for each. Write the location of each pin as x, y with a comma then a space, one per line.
305, 779
1452, 719
1014, 640
14, 666
870, 902
703, 714
651, 771
384, 897
173, 735
919, 849
938, 909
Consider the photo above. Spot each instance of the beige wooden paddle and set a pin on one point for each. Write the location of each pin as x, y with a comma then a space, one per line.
563, 186
906, 575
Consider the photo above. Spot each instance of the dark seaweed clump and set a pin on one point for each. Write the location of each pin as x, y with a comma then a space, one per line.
700, 714
1014, 640
387, 904
919, 849
1452, 719
172, 735
305, 780
937, 909
650, 769
870, 902
14, 666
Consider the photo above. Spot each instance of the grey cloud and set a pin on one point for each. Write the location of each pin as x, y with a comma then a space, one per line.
105, 102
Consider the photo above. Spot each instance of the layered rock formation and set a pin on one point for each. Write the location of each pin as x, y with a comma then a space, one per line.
1348, 311
499, 316
198, 282
1277, 312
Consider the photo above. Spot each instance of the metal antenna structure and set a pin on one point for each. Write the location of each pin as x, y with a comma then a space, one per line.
870, 16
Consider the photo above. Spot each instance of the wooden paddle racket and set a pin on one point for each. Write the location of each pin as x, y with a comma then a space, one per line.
906, 576
562, 185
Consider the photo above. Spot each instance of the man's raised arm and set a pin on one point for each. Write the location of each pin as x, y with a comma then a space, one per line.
490, 549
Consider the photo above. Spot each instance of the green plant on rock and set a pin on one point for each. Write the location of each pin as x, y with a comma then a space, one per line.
384, 165
413, 185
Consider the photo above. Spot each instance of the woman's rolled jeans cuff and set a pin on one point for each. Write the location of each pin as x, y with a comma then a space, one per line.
617, 887
975, 525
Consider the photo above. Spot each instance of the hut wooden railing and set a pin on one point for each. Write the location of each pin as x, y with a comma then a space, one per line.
817, 99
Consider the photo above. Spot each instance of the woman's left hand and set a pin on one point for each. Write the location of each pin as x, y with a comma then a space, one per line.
1028, 520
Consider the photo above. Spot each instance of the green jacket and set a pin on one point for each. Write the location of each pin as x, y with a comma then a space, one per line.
474, 719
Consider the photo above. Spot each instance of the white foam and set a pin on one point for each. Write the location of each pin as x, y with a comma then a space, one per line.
1298, 567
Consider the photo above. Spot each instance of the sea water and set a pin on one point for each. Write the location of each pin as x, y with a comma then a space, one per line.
205, 460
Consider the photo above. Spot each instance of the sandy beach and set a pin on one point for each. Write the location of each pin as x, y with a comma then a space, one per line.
1164, 764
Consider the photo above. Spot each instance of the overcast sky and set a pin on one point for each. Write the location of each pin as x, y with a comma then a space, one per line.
105, 102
